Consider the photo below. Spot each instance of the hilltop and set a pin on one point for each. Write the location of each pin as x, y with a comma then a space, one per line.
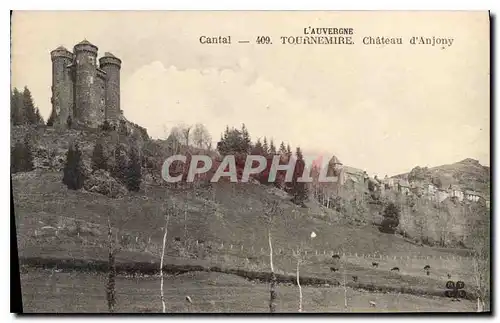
467, 174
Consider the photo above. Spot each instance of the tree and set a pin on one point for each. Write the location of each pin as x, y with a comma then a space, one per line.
288, 150
98, 157
134, 171
265, 147
52, 118
201, 136
258, 149
419, 174
114, 247
282, 150
73, 171
28, 155
271, 212
69, 122
181, 133
481, 241
437, 182
247, 143
29, 107
16, 108
38, 117
299, 189
106, 126
233, 141
21, 157
120, 165
17, 158
171, 210
391, 218
272, 148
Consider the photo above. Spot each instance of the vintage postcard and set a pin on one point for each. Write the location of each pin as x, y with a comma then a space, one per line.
251, 161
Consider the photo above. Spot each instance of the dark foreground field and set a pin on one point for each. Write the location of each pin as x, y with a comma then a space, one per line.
52, 292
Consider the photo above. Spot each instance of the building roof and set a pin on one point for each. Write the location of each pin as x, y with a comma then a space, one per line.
354, 179
108, 54
470, 192
85, 42
62, 48
404, 183
455, 187
352, 170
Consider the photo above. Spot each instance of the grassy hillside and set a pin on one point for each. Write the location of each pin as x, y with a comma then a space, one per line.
229, 216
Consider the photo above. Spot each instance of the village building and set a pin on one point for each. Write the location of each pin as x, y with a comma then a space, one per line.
442, 195
390, 183
430, 189
404, 186
472, 196
456, 192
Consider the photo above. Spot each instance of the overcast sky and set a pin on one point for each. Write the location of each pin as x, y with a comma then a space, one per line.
382, 109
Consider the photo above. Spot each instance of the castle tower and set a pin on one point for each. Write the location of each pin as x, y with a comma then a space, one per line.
86, 99
62, 85
111, 65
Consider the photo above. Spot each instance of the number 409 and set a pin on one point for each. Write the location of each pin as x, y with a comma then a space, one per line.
263, 40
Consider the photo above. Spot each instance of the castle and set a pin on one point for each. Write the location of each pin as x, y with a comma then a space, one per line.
83, 92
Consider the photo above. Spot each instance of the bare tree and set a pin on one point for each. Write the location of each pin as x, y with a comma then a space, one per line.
272, 210
181, 132
168, 211
298, 257
110, 287
481, 262
114, 247
345, 283
201, 136
185, 132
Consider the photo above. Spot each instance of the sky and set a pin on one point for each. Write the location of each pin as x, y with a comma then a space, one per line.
384, 109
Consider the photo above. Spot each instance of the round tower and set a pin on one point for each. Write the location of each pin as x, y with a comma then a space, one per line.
110, 64
62, 85
86, 105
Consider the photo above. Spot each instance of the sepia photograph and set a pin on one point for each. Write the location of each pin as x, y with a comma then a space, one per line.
251, 161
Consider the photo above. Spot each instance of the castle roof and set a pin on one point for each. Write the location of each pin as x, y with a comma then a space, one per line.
62, 48
108, 54
85, 42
